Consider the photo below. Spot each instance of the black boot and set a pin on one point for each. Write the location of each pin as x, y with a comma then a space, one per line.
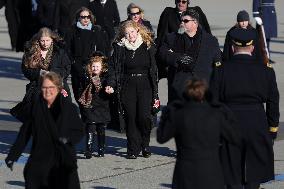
146, 153
89, 145
101, 140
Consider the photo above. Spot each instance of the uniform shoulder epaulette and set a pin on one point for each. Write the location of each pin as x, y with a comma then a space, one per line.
217, 64
269, 65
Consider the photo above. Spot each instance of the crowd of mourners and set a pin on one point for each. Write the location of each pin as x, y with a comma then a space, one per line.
222, 110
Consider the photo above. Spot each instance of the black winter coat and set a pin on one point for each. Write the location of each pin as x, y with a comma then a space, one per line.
46, 13
117, 64
80, 44
106, 16
100, 110
244, 85
208, 53
197, 129
50, 162
60, 64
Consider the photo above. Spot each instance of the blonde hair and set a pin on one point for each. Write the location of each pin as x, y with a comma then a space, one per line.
133, 6
144, 32
95, 59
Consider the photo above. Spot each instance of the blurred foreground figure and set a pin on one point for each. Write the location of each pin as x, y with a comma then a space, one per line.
197, 128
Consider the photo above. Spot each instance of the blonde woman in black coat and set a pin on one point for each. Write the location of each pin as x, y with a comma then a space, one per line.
197, 128
54, 128
135, 68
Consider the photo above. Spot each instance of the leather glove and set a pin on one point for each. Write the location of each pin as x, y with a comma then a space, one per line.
63, 140
9, 164
186, 63
258, 20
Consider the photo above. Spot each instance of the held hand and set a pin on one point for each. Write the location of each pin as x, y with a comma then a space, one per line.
9, 164
258, 20
63, 140
109, 90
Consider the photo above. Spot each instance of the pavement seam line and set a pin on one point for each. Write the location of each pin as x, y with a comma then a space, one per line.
124, 173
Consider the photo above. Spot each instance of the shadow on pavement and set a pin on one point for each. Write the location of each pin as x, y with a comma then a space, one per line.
16, 183
166, 185
11, 68
102, 187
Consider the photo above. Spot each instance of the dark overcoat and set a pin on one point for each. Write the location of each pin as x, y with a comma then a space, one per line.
46, 13
60, 64
197, 128
106, 16
46, 165
244, 85
207, 55
28, 23
265, 9
80, 44
100, 110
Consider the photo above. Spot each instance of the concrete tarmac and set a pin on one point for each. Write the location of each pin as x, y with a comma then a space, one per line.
114, 171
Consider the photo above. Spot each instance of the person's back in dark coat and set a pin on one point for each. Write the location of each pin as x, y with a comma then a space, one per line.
197, 128
46, 13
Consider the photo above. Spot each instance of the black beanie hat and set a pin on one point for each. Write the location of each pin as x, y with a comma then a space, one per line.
242, 16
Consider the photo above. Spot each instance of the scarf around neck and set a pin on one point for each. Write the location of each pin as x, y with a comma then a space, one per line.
131, 46
88, 27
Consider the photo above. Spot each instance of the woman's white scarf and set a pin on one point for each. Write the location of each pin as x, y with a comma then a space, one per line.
131, 46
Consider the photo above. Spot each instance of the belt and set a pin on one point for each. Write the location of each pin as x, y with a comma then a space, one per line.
267, 4
137, 74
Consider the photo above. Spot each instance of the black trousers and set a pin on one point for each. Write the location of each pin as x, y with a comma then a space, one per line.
137, 102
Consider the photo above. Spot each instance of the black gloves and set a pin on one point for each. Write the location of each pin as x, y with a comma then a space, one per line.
9, 164
186, 63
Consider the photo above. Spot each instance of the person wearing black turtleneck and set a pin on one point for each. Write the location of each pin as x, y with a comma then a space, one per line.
83, 39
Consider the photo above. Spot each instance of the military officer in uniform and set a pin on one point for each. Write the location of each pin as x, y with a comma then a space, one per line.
264, 13
244, 84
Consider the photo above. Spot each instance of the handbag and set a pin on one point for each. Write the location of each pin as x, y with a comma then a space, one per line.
21, 110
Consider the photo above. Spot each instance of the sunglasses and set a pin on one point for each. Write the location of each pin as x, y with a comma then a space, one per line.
135, 13
84, 17
186, 20
183, 2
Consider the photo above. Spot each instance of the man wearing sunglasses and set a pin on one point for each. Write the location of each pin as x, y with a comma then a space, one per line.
188, 54
170, 21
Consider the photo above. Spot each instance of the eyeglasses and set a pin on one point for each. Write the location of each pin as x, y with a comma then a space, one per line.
186, 20
48, 88
85, 17
183, 2
135, 13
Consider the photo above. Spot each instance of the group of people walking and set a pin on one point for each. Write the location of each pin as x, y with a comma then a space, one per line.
215, 110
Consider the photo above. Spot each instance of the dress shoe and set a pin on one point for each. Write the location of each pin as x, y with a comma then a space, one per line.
131, 156
88, 155
101, 152
146, 153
